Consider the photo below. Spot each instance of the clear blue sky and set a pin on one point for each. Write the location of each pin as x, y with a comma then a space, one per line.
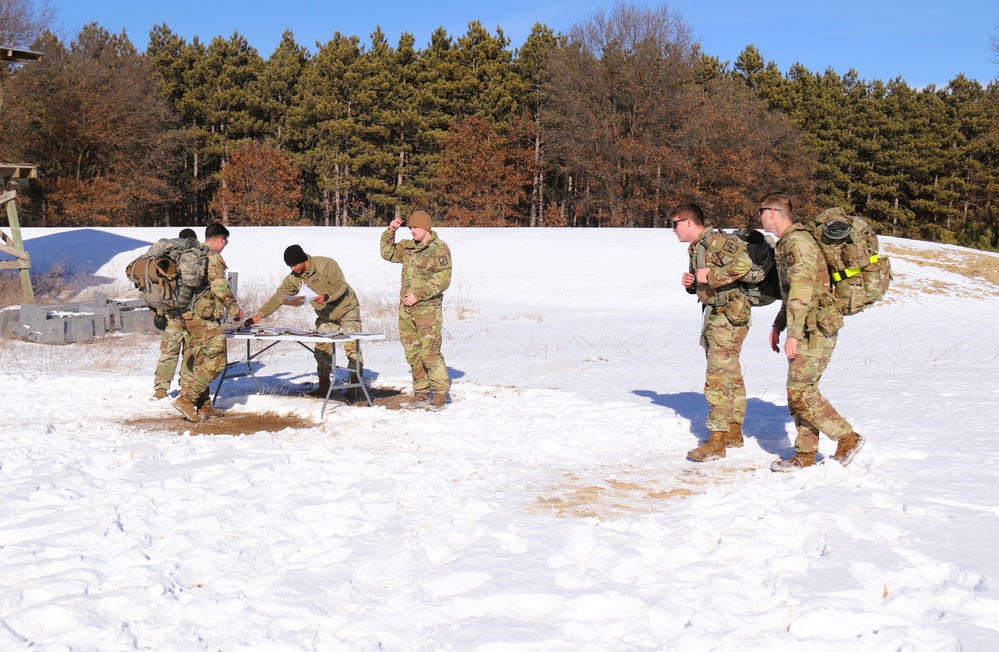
923, 41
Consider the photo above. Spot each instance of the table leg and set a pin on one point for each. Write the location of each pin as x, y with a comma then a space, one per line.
249, 369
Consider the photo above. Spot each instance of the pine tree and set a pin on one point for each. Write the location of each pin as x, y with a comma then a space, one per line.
219, 108
327, 125
531, 65
277, 86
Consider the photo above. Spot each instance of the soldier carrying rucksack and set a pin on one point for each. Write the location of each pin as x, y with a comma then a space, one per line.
170, 275
718, 264
811, 314
201, 308
171, 340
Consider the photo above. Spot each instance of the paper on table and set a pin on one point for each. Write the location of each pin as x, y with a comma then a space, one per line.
304, 296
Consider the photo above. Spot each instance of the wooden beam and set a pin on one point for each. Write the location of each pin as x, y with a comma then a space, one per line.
18, 171
14, 55
15, 229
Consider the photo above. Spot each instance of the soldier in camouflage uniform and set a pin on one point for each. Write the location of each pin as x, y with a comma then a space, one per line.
205, 357
426, 274
808, 311
171, 345
717, 262
336, 306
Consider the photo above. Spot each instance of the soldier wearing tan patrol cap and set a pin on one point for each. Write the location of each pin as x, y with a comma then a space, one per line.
426, 274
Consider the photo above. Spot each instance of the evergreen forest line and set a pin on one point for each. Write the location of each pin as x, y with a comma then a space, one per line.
609, 125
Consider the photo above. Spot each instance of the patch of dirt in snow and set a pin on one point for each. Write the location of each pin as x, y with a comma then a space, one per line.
627, 491
247, 423
232, 423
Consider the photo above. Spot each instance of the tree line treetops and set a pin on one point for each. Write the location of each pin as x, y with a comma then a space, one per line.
611, 124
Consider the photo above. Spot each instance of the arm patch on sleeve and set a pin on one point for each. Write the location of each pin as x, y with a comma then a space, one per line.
729, 247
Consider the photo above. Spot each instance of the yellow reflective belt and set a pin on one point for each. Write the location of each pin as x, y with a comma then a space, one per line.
851, 271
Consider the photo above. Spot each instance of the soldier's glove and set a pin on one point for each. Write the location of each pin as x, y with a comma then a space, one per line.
248, 323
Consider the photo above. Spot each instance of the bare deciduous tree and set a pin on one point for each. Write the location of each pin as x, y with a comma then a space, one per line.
260, 187
994, 39
616, 94
91, 116
22, 21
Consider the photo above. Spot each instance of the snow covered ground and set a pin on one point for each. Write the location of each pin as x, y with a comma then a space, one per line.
549, 508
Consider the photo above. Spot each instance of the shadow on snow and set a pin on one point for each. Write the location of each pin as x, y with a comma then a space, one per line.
765, 422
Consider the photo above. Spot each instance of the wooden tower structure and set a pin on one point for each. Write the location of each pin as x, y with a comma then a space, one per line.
15, 174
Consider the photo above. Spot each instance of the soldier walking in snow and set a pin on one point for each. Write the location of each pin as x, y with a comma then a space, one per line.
426, 274
808, 311
205, 357
171, 344
717, 262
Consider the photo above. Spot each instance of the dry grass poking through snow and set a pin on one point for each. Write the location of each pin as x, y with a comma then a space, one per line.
629, 491
978, 266
113, 354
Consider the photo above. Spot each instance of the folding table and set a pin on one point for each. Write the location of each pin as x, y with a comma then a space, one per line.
305, 338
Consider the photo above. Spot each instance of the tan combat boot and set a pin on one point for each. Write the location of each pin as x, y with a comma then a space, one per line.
208, 411
159, 394
799, 461
713, 449
186, 407
438, 402
733, 438
417, 400
847, 448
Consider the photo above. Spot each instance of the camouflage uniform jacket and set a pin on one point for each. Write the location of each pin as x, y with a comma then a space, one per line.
216, 299
808, 304
426, 267
727, 261
324, 276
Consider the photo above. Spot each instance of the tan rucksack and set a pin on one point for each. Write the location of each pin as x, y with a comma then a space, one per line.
171, 274
859, 273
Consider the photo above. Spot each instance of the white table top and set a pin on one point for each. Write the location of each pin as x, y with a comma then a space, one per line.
289, 334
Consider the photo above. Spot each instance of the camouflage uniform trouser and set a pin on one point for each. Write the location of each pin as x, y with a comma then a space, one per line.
724, 388
420, 331
204, 359
171, 345
811, 412
349, 323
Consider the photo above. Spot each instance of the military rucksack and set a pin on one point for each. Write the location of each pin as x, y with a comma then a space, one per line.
859, 274
171, 274
761, 286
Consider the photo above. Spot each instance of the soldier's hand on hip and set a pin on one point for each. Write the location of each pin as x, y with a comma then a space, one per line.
409, 300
